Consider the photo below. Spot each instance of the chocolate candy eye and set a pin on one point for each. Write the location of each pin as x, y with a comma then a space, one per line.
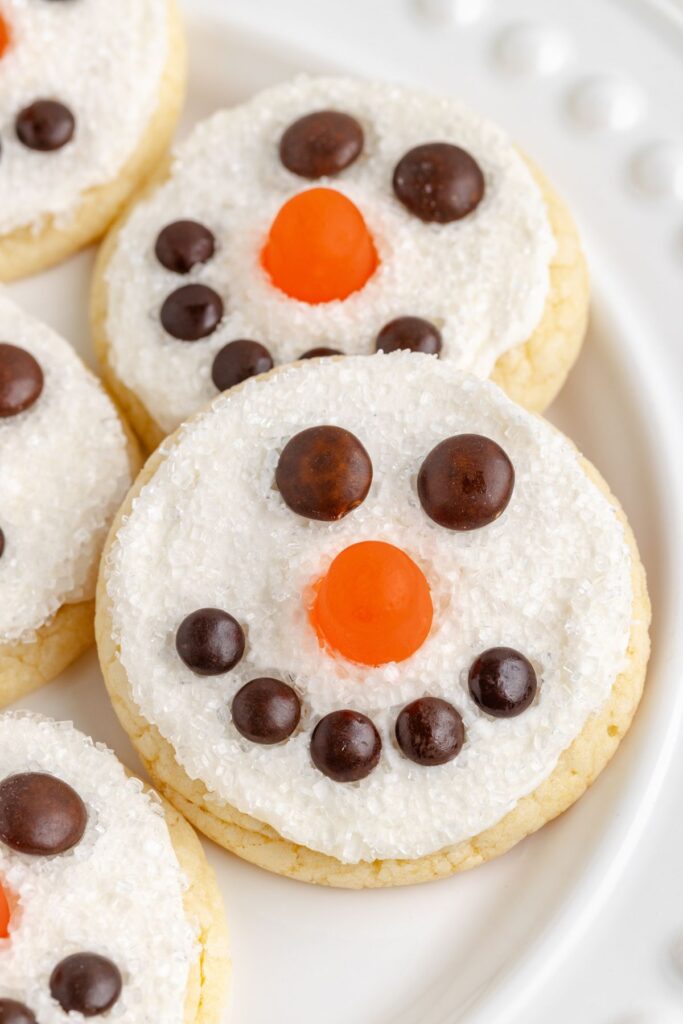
321, 143
239, 360
21, 380
438, 182
45, 125
12, 1012
192, 312
210, 641
430, 731
502, 682
40, 815
465, 482
409, 332
266, 710
324, 473
320, 352
86, 983
184, 244
345, 746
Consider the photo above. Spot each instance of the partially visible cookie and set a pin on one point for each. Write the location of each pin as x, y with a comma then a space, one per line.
79, 132
107, 903
322, 216
369, 623
66, 462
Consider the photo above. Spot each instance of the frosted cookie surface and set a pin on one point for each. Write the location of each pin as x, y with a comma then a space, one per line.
92, 890
241, 587
65, 466
324, 214
79, 83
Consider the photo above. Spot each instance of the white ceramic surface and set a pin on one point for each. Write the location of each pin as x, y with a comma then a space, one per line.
599, 893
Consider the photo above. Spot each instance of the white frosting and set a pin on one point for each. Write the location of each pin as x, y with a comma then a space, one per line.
105, 62
64, 471
550, 578
482, 280
118, 893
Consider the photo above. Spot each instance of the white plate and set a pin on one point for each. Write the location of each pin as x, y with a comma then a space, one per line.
476, 946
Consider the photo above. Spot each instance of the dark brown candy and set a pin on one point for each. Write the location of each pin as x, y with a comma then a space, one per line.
324, 473
430, 731
409, 332
45, 125
210, 641
439, 182
321, 143
319, 352
12, 1012
239, 360
266, 710
502, 682
86, 983
2, 543
192, 312
465, 482
184, 244
345, 746
40, 815
21, 380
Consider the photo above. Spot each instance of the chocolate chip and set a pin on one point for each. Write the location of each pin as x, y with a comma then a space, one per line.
502, 682
321, 143
318, 353
184, 244
40, 815
2, 543
210, 641
345, 746
21, 380
45, 125
86, 983
439, 182
192, 312
430, 731
266, 710
239, 360
12, 1012
465, 482
409, 332
324, 473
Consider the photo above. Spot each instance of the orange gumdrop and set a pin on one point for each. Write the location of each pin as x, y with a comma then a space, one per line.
373, 605
4, 35
319, 247
5, 914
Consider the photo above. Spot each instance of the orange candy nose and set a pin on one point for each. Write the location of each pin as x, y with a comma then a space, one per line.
5, 914
373, 605
4, 35
319, 247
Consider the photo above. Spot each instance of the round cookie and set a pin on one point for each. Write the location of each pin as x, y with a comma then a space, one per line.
396, 675
66, 462
311, 218
89, 101
107, 903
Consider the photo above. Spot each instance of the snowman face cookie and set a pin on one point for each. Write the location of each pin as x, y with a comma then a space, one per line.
368, 602
84, 104
65, 466
326, 215
92, 914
